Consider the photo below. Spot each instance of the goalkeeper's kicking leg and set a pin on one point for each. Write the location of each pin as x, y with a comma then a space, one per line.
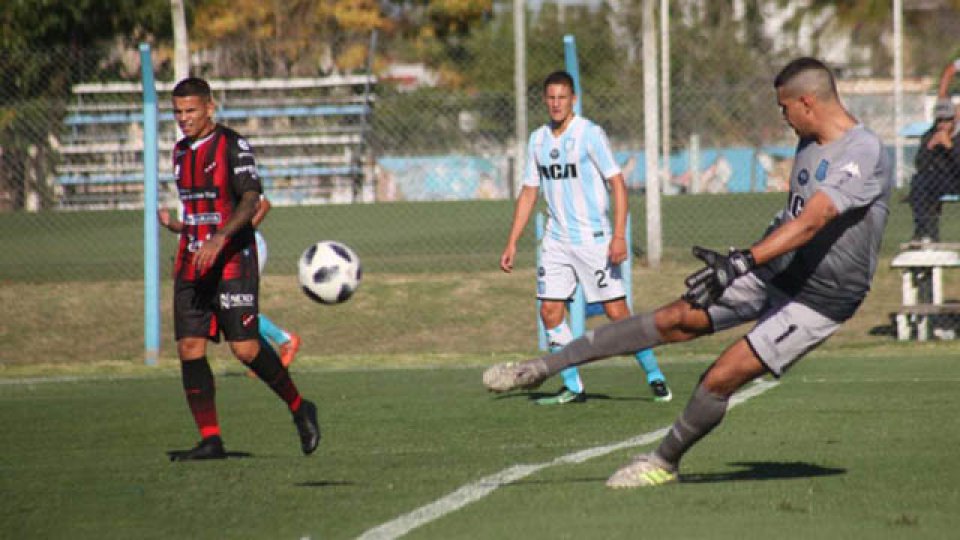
675, 322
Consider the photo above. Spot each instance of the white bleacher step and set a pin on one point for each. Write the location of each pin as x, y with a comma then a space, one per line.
137, 106
167, 144
223, 114
278, 172
233, 84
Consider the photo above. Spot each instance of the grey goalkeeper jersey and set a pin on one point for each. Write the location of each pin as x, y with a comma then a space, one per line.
831, 274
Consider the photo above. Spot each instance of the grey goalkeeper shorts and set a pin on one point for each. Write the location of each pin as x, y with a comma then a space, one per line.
785, 331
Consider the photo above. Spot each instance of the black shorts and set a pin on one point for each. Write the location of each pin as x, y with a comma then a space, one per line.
207, 308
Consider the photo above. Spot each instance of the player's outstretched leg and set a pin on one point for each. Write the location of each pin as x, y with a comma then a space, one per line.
624, 336
268, 368
655, 378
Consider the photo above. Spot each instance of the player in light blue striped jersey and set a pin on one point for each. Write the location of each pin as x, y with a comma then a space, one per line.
570, 160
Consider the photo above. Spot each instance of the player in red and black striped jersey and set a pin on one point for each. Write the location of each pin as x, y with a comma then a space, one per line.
216, 279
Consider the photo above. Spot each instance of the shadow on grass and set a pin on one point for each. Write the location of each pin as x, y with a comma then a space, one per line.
751, 470
324, 483
763, 470
178, 456
533, 396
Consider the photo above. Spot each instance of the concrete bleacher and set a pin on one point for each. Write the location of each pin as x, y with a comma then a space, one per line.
310, 135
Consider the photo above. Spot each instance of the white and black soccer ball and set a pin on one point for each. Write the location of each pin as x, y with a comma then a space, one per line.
329, 272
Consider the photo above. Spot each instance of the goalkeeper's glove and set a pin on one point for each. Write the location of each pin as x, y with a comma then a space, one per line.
706, 285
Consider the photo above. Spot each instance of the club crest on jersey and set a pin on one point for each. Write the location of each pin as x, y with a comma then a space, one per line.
852, 169
821, 173
558, 171
803, 177
554, 153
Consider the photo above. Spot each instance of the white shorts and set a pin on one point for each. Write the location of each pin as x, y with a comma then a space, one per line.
261, 252
786, 330
563, 265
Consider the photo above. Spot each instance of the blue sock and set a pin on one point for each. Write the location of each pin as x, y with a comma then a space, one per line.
571, 379
271, 331
557, 338
648, 362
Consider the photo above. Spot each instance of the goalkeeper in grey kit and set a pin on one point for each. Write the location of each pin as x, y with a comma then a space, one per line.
800, 282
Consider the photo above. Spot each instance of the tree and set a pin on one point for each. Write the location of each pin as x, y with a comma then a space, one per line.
295, 37
42, 53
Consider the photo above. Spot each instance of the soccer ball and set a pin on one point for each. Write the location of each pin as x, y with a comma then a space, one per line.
329, 272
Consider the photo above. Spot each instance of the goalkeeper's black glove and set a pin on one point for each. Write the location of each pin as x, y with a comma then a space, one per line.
706, 285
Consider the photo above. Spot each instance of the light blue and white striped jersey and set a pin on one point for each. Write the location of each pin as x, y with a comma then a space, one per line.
571, 172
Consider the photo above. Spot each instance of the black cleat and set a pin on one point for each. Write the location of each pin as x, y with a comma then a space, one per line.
661, 392
209, 448
306, 421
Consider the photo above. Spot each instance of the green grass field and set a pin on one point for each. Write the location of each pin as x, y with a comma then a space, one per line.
856, 442
389, 237
845, 446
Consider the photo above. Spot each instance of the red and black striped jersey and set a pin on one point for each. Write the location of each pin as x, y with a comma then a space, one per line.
212, 174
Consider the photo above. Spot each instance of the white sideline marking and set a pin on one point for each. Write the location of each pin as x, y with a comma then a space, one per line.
475, 491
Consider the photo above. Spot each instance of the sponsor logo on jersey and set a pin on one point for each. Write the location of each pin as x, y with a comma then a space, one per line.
235, 300
803, 177
190, 195
558, 171
821, 173
201, 219
252, 169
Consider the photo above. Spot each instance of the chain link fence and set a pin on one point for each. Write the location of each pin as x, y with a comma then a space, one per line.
415, 167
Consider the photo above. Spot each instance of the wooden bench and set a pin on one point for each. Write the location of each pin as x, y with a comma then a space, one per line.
922, 288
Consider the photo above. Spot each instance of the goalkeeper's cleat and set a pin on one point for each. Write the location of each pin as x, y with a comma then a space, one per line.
513, 375
288, 350
307, 427
209, 448
565, 395
644, 470
661, 392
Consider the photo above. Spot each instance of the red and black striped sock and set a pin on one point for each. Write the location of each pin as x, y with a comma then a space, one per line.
267, 366
199, 387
